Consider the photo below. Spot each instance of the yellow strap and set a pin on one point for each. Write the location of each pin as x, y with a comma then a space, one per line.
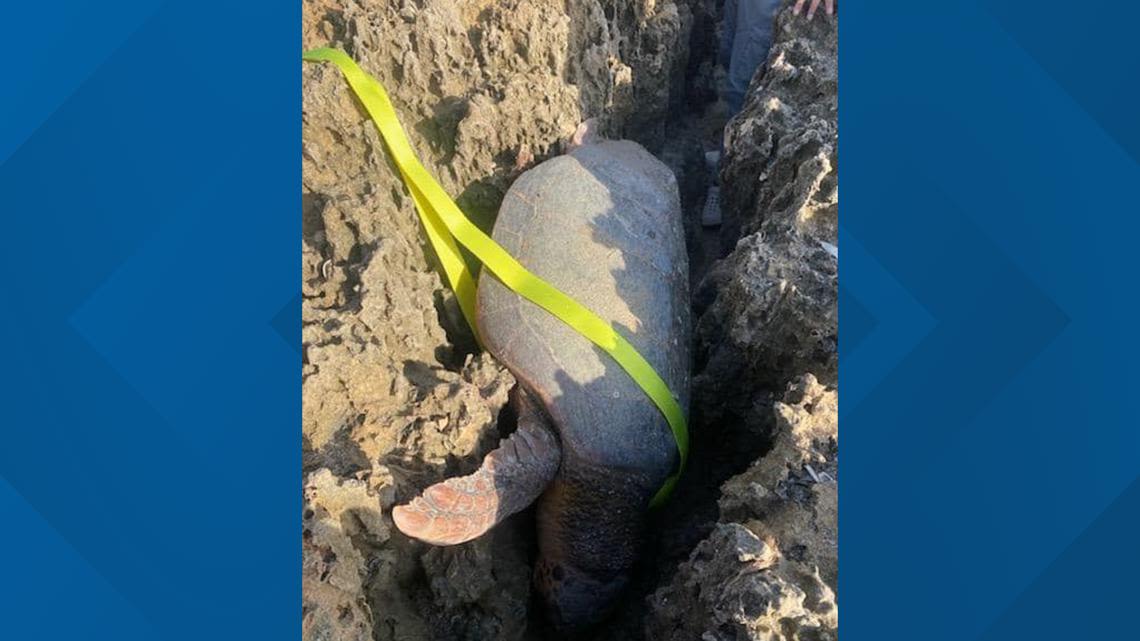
446, 224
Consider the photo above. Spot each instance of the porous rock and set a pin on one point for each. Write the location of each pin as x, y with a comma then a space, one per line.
767, 362
769, 569
769, 310
344, 563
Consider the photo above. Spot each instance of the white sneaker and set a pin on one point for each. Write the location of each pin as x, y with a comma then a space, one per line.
712, 161
710, 216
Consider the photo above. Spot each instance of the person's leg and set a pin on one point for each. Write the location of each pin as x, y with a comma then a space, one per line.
747, 37
728, 33
753, 37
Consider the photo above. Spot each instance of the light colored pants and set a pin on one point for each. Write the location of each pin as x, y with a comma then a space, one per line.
747, 37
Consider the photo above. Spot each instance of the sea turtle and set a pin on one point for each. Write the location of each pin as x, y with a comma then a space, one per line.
603, 224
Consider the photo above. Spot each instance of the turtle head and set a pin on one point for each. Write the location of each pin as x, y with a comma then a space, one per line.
574, 599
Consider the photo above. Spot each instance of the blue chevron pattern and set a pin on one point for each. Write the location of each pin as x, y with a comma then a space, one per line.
989, 177
148, 471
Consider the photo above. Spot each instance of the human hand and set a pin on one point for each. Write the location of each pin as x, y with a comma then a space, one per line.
829, 5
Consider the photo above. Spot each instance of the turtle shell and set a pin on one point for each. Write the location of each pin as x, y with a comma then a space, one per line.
602, 224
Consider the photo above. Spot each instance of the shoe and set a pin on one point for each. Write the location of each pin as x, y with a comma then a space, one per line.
712, 161
710, 216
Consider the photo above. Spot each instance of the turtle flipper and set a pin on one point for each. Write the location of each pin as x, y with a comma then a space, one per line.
511, 478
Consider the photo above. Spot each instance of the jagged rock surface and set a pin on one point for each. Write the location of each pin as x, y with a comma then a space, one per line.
350, 573
395, 394
767, 330
781, 150
769, 311
769, 569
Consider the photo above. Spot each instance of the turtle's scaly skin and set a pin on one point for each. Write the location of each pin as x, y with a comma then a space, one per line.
602, 224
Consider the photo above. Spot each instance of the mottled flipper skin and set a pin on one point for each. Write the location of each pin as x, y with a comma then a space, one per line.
603, 224
509, 480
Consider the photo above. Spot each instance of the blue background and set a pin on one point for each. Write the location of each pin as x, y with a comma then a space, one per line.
989, 229
149, 468
150, 461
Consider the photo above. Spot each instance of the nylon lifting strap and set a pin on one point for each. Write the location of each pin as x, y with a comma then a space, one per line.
446, 225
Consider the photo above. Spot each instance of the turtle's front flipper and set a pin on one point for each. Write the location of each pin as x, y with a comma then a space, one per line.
511, 478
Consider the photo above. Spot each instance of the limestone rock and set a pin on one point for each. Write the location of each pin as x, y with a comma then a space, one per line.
344, 567
769, 569
768, 327
769, 310
792, 492
781, 150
